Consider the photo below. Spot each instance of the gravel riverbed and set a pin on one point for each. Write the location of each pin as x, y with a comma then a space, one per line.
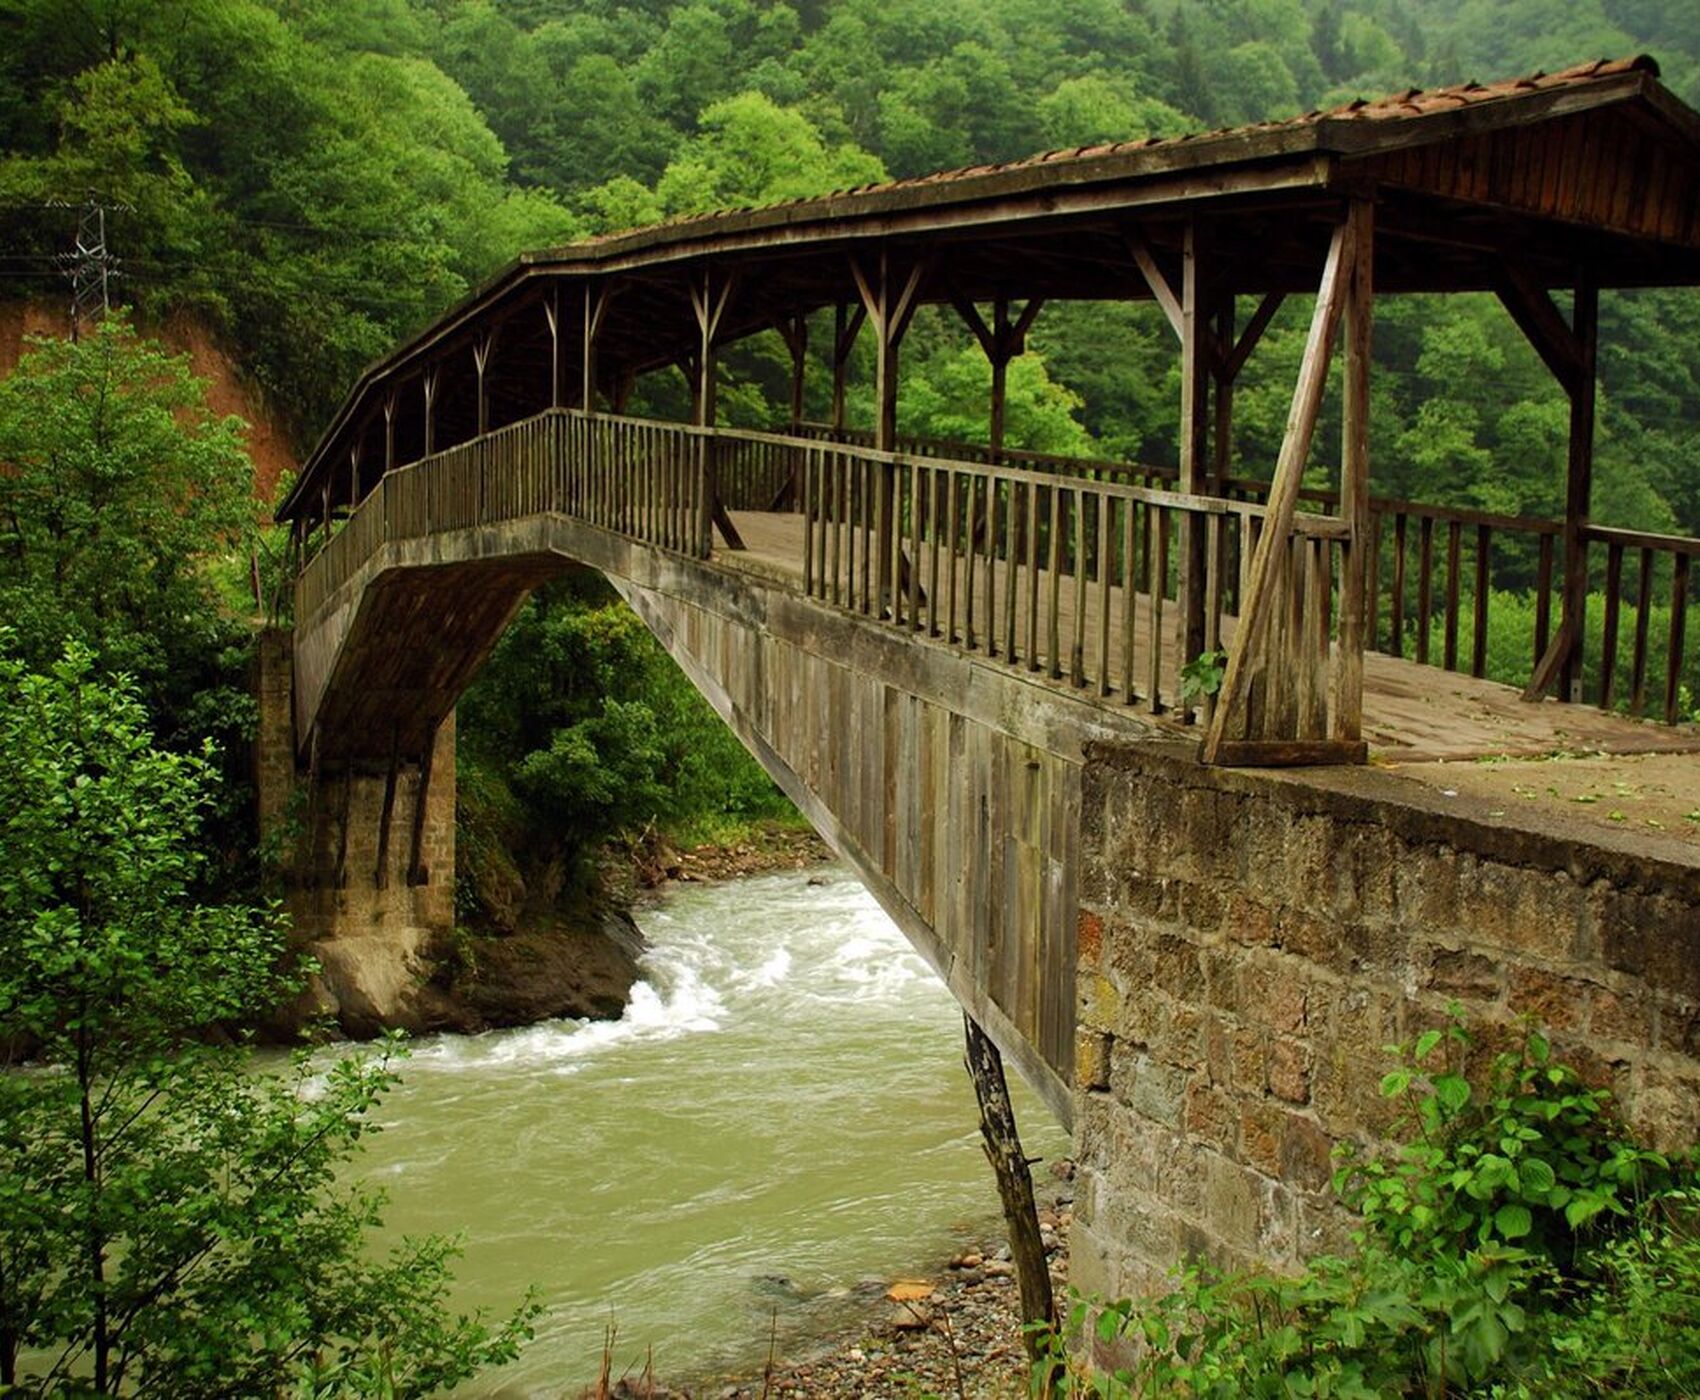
953, 1332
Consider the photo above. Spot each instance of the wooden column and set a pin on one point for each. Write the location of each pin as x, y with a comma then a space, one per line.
596, 301
1000, 342
1579, 485
1268, 588
1194, 461
1346, 698
353, 474
624, 382
1569, 351
428, 382
389, 432
552, 315
889, 298
794, 331
711, 293
481, 348
846, 326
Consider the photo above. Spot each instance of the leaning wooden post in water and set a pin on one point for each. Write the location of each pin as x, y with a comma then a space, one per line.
1011, 1166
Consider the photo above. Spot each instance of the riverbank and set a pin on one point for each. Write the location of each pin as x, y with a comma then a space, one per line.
953, 1330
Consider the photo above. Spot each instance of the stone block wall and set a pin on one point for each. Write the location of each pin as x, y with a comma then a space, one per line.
371, 937
1249, 942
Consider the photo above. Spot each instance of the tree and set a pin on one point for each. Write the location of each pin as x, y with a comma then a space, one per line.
170, 1219
117, 488
753, 151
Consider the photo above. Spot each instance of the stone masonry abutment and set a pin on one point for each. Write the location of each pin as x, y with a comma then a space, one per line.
1250, 942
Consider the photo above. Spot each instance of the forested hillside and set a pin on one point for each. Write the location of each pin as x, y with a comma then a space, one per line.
320, 177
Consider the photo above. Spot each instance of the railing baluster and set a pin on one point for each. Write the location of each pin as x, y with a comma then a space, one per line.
991, 543
1156, 522
1055, 647
1479, 628
969, 514
1077, 652
1543, 600
1643, 608
1608, 639
952, 504
1425, 586
1033, 654
1396, 641
1130, 598
1678, 635
1104, 677
1011, 567
1454, 544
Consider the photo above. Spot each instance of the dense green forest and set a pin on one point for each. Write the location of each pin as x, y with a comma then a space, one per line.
315, 179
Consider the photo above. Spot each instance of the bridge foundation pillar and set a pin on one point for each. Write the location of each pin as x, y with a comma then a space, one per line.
342, 837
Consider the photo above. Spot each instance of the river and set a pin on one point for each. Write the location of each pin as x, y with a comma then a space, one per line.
781, 1115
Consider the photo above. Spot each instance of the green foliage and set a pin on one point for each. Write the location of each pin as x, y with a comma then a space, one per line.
581, 727
119, 490
172, 1222
1516, 1245
1529, 1161
1203, 674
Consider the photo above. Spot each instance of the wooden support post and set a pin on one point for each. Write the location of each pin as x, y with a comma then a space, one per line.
353, 474
889, 308
428, 382
552, 314
389, 432
1346, 699
794, 331
596, 299
1579, 482
1194, 471
417, 874
846, 326
1011, 1167
709, 301
624, 382
1260, 602
481, 348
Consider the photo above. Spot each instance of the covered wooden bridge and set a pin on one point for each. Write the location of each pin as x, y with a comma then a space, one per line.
916, 637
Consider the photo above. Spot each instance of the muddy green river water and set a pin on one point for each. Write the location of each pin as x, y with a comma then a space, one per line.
780, 1115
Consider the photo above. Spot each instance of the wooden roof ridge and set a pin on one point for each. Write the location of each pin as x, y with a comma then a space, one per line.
1409, 105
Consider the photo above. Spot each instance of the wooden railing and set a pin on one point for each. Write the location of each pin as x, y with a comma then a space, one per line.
638, 478
1433, 574
1078, 578
1075, 570
1073, 577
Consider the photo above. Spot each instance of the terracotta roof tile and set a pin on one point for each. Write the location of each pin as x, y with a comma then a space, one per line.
1400, 106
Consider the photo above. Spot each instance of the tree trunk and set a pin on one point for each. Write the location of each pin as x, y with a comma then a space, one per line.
1015, 1181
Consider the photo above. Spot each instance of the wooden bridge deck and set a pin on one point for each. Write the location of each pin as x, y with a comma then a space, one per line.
1412, 713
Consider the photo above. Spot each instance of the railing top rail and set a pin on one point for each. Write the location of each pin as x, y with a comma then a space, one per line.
1642, 539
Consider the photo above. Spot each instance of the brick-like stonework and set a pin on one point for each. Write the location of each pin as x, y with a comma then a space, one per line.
1250, 941
369, 938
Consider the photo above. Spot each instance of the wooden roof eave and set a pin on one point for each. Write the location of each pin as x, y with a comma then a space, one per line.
833, 228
